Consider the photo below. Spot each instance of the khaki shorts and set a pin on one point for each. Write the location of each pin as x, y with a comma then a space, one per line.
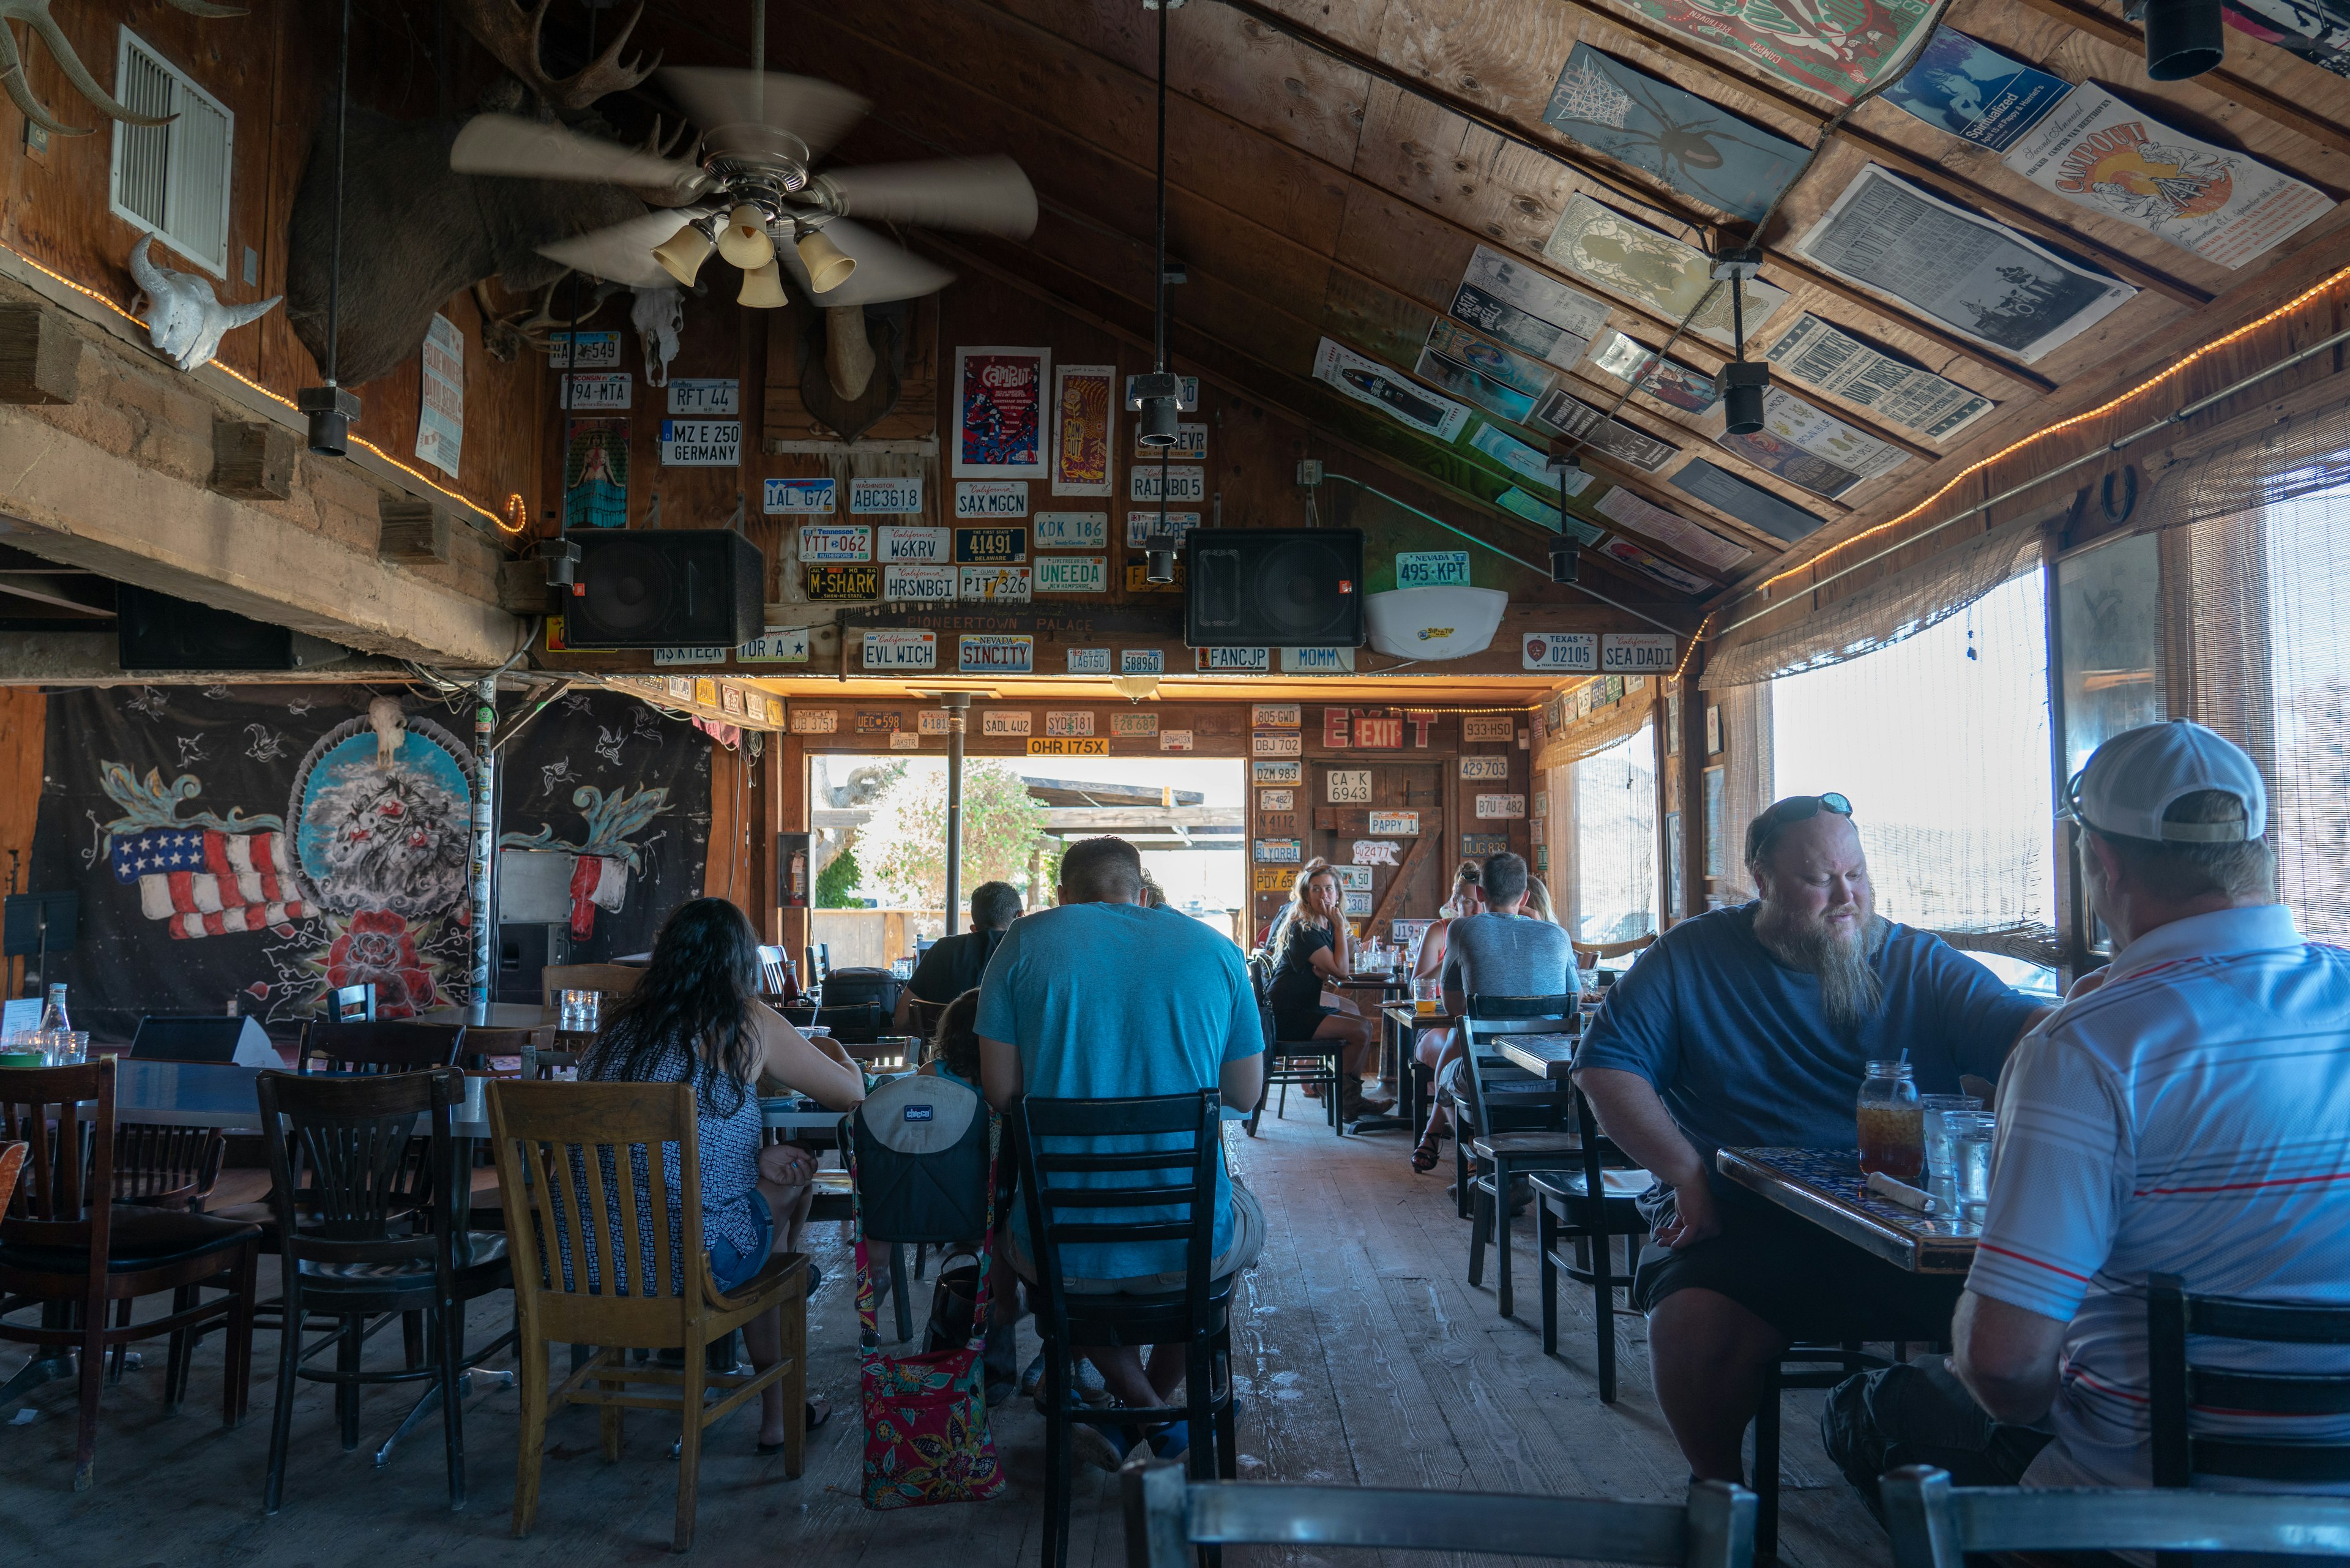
1248, 1244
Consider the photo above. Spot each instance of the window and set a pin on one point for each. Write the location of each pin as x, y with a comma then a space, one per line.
1941, 741
171, 180
2110, 620
1614, 796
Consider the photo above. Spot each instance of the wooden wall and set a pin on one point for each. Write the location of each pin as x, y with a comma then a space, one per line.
24, 733
273, 68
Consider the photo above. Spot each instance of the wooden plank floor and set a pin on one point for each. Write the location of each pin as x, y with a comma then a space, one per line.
1363, 1356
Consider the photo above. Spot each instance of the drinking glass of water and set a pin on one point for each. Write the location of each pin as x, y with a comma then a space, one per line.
1970, 1141
1939, 1156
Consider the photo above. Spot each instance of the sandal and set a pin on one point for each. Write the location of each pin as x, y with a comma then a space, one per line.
818, 1412
1424, 1158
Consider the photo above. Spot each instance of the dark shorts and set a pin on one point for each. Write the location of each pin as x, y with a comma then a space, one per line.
730, 1266
1299, 1022
1920, 1414
1799, 1278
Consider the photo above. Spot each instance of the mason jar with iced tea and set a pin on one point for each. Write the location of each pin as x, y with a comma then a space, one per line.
1892, 1123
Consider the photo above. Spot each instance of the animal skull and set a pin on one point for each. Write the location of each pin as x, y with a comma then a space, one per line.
659, 315
185, 321
384, 714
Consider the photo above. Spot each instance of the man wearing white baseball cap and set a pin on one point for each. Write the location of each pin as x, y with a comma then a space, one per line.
2186, 1112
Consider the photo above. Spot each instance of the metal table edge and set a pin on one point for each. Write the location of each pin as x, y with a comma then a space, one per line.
1851, 1225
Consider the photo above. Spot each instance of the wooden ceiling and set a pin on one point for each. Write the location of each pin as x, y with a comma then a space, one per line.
1333, 165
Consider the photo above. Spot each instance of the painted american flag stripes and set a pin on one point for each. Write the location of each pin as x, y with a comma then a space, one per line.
202, 882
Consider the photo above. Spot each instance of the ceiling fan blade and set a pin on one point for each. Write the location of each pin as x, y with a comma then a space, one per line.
885, 269
623, 253
508, 145
815, 111
985, 195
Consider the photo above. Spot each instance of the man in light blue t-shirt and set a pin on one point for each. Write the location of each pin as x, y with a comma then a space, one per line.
1105, 998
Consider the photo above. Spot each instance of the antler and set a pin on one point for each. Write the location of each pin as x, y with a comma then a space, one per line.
34, 14
509, 29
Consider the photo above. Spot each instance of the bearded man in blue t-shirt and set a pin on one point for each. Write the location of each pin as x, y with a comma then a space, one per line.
1753, 1026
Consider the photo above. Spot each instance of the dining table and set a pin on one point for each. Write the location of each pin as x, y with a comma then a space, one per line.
1404, 1023
1824, 1187
1550, 1057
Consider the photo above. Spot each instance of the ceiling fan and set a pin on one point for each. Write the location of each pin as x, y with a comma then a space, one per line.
753, 195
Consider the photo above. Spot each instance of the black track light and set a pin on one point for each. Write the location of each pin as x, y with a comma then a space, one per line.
1566, 555
2183, 38
1740, 384
332, 410
1161, 566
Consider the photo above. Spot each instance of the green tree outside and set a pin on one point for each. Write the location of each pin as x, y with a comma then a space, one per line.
1003, 826
838, 879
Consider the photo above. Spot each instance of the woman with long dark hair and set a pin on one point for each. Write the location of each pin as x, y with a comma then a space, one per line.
696, 1018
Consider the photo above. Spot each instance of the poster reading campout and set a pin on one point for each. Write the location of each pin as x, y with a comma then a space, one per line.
999, 427
2225, 206
596, 474
1837, 48
1081, 428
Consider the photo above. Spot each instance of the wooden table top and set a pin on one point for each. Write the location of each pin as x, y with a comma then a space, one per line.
502, 1015
1363, 982
1548, 1056
1824, 1186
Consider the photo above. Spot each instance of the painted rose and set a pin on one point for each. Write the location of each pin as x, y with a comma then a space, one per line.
377, 949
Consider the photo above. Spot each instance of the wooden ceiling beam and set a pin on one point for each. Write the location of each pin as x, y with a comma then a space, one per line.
1558, 145
944, 88
2222, 84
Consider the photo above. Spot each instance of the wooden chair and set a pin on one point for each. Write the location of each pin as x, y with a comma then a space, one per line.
1807, 1364
1306, 1062
1937, 1525
400, 1046
922, 1017
65, 1242
1589, 1207
775, 970
1167, 1147
351, 1004
1517, 1125
2181, 1381
1169, 1519
1589, 953
160, 1167
566, 1230
11, 1165
485, 1047
375, 1233
614, 980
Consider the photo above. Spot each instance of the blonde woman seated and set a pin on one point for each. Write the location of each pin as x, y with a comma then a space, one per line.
1433, 1049
1318, 948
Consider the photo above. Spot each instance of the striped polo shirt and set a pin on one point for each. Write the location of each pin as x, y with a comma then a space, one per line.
2187, 1112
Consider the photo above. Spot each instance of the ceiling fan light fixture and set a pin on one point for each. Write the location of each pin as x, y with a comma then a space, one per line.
2183, 38
829, 266
763, 288
683, 253
743, 242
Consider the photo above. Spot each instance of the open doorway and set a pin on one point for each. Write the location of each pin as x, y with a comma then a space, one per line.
879, 838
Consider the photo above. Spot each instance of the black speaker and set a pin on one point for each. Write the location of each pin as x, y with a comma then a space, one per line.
156, 631
666, 588
1273, 587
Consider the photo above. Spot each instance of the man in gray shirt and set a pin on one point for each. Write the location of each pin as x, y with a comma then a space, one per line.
1503, 953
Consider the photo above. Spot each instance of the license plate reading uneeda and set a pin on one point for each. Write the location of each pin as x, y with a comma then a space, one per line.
862, 582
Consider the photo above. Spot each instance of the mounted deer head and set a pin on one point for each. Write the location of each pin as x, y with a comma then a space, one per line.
185, 320
510, 29
34, 14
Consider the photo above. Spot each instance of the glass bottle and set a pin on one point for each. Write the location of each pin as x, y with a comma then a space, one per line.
53, 1015
1892, 1123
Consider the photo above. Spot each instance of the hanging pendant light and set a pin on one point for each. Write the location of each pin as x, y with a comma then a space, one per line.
1160, 392
1740, 384
1565, 555
332, 408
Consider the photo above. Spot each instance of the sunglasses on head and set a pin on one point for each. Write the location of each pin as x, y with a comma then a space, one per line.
1786, 813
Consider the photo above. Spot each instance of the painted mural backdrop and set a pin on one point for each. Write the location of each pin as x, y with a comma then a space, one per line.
272, 843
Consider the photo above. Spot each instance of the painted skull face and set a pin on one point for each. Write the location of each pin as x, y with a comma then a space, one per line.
393, 839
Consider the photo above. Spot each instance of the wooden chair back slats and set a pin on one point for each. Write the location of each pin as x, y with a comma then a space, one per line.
11, 1165
65, 1117
395, 1046
345, 1154
1169, 1517
1937, 1525
2178, 1386
586, 1159
157, 1165
614, 980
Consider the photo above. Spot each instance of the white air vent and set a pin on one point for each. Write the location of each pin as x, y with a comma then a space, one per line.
173, 180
